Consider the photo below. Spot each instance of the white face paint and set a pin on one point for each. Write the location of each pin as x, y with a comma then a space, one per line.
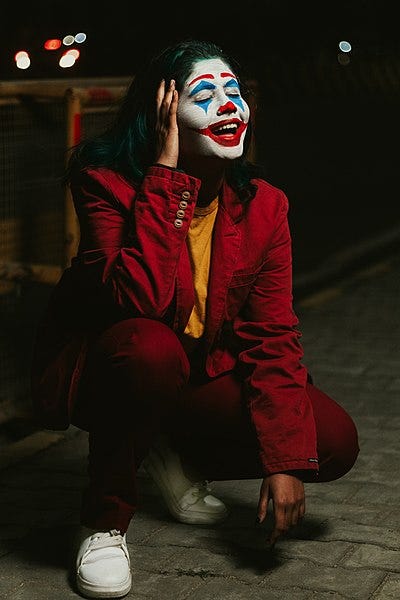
212, 115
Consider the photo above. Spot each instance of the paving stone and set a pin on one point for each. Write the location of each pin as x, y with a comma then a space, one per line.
223, 589
324, 553
143, 527
244, 492
318, 508
20, 572
341, 529
153, 585
150, 558
371, 403
378, 493
244, 564
389, 590
341, 370
340, 491
368, 555
356, 584
35, 590
390, 518
170, 533
381, 476
326, 596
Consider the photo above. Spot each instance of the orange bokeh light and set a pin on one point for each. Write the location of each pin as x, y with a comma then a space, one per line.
52, 44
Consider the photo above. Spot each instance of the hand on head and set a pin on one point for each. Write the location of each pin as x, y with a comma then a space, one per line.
166, 125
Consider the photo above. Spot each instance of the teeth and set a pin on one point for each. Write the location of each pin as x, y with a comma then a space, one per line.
228, 127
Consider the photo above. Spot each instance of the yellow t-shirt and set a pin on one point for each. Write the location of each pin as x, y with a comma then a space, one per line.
199, 240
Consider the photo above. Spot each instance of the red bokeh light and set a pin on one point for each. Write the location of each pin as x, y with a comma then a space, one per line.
52, 44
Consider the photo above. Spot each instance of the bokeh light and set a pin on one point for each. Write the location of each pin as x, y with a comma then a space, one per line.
22, 59
345, 46
68, 40
53, 44
80, 38
67, 60
74, 52
343, 59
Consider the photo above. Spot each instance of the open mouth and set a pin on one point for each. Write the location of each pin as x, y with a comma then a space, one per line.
225, 133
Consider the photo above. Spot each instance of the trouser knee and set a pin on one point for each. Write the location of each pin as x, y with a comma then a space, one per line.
139, 364
343, 452
148, 347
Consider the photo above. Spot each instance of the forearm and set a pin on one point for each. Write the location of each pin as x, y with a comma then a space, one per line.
132, 256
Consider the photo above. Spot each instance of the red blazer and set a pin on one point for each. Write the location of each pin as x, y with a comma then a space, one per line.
133, 261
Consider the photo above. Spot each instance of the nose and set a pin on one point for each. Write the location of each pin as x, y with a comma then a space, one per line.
228, 107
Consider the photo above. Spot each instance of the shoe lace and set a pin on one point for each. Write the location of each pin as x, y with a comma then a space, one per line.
106, 539
197, 491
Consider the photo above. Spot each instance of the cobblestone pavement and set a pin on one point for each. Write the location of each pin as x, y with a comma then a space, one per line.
346, 547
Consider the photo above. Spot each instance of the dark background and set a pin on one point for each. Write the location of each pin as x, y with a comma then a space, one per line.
121, 33
327, 132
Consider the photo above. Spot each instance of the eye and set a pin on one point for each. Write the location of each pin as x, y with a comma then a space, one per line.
202, 96
232, 91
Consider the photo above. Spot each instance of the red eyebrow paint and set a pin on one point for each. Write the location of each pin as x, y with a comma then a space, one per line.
210, 76
205, 76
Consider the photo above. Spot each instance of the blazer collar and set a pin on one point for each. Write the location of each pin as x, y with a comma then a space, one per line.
230, 201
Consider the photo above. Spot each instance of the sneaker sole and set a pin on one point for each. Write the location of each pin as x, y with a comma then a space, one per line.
102, 592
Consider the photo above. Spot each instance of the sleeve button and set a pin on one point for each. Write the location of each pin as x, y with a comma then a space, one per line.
185, 195
180, 214
178, 223
183, 204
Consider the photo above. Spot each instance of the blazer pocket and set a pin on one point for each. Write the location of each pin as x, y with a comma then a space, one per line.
238, 290
239, 279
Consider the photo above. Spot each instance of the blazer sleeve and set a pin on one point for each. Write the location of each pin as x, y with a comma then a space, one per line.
131, 239
275, 378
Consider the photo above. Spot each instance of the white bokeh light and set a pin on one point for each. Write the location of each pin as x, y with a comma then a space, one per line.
67, 60
345, 46
22, 60
80, 38
68, 40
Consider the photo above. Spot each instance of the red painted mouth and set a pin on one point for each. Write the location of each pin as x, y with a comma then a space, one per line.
226, 133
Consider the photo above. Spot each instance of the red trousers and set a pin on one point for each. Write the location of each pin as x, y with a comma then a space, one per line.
137, 384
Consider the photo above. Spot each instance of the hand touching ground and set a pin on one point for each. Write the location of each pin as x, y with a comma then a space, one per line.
287, 495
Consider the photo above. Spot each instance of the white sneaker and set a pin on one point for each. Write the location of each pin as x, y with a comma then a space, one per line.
103, 565
188, 501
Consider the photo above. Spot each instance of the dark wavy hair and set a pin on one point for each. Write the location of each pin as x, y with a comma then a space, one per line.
128, 145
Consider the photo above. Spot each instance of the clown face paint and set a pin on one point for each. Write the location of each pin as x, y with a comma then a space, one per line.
212, 115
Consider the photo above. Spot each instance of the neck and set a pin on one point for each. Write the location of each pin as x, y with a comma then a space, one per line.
211, 172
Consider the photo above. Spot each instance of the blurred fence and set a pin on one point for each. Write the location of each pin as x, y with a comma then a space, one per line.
39, 121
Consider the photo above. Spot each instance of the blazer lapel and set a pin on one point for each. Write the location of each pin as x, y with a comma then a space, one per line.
184, 291
224, 255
